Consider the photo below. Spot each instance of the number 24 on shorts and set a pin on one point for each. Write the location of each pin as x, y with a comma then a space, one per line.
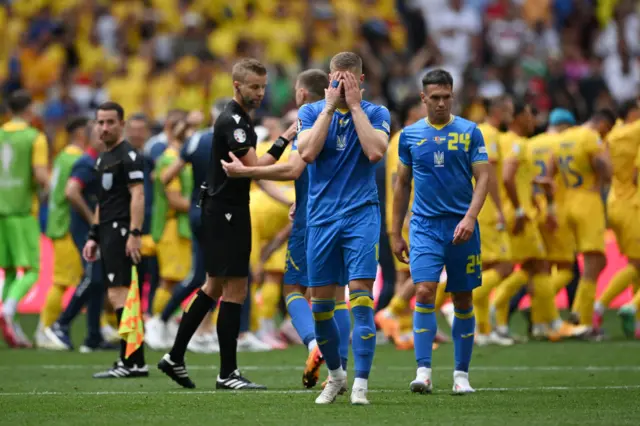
473, 261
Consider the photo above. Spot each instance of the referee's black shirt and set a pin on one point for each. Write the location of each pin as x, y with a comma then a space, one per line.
233, 132
117, 169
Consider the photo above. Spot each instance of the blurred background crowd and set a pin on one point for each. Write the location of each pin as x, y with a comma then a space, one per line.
154, 55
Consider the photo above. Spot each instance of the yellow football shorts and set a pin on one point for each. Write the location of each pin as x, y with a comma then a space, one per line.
560, 245
624, 221
494, 244
67, 264
528, 243
585, 216
174, 253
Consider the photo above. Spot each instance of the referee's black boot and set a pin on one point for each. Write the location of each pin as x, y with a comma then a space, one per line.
121, 371
235, 381
177, 371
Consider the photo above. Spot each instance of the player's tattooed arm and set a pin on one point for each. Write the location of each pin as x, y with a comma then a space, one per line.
602, 166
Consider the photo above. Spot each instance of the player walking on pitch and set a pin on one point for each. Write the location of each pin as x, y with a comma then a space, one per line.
441, 154
342, 137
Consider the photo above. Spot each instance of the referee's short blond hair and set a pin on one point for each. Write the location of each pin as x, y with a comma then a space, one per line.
245, 66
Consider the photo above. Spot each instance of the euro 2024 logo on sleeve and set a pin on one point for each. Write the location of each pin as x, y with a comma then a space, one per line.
239, 135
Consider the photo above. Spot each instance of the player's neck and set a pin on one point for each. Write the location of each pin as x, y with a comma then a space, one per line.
518, 131
493, 121
439, 122
342, 106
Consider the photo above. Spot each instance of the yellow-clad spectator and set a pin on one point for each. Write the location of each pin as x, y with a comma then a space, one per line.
128, 90
191, 93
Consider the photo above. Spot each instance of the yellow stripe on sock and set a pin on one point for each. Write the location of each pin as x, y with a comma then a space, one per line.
322, 316
423, 310
294, 296
464, 316
365, 301
341, 306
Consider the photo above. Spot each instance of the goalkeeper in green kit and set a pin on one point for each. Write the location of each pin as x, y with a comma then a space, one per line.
23, 165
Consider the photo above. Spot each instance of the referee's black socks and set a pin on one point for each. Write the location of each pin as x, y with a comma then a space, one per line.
136, 358
191, 319
228, 330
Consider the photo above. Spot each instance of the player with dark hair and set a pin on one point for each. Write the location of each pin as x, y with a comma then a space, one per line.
227, 230
117, 223
441, 154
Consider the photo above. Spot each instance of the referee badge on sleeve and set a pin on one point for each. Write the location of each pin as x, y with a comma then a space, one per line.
107, 181
239, 135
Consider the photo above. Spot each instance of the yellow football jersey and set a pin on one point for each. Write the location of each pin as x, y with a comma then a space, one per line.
573, 155
624, 143
491, 137
514, 146
261, 149
391, 170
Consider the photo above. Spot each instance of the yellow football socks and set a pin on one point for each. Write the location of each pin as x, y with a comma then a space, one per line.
160, 300
560, 279
398, 306
270, 292
619, 283
543, 309
586, 294
52, 305
490, 280
506, 290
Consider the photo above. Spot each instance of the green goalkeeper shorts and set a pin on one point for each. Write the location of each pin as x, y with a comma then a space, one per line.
19, 242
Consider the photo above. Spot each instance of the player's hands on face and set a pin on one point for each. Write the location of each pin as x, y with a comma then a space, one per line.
332, 93
352, 91
400, 248
90, 251
133, 248
291, 132
464, 230
235, 168
292, 211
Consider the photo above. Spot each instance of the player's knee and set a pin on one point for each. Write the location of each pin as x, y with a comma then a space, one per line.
594, 263
426, 293
340, 294
636, 264
288, 289
235, 291
463, 300
117, 296
324, 292
212, 288
366, 285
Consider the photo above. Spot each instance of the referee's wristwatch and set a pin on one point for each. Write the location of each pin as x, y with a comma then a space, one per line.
135, 233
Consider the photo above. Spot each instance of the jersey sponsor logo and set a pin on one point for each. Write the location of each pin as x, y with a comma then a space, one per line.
438, 159
239, 135
107, 181
236, 117
422, 141
368, 336
341, 143
421, 330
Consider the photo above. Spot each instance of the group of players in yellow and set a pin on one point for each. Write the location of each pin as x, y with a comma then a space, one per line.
545, 207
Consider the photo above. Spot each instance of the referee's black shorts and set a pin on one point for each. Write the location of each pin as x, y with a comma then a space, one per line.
115, 262
227, 238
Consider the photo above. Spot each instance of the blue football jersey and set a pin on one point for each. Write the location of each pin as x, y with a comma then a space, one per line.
84, 172
302, 193
197, 152
441, 158
342, 178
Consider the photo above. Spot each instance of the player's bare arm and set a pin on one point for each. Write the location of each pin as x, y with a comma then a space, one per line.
401, 194
137, 216
273, 191
465, 228
509, 182
177, 201
311, 142
493, 189
172, 171
601, 163
281, 237
73, 193
291, 170
251, 159
374, 142
41, 175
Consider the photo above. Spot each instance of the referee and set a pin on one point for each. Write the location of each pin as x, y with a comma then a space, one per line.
116, 228
226, 224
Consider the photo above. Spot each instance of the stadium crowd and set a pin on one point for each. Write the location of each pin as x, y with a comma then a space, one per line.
169, 62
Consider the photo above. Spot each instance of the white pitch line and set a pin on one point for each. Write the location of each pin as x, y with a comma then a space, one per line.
294, 391
391, 368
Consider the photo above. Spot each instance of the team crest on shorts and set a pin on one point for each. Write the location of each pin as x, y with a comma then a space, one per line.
107, 181
239, 135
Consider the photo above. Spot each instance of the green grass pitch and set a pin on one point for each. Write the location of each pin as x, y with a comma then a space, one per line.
570, 383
